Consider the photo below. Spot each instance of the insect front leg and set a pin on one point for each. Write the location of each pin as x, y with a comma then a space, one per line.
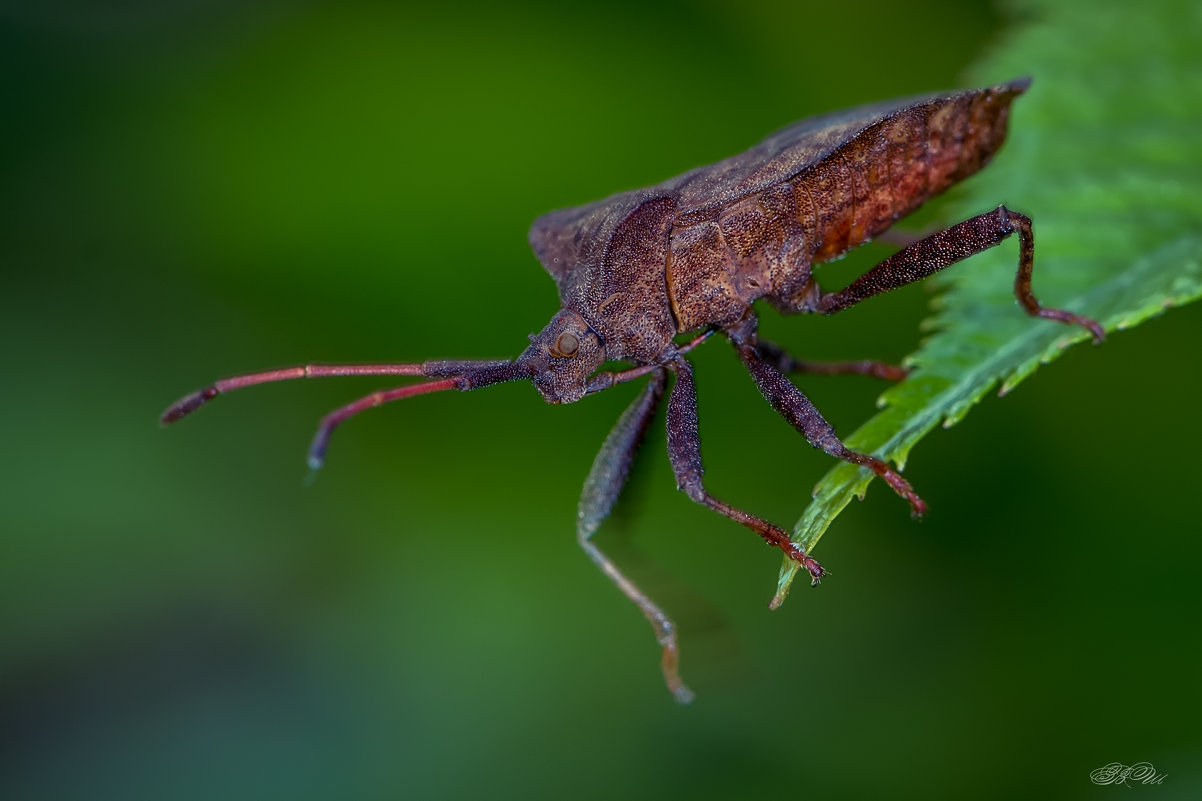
601, 490
684, 451
611, 468
943, 249
796, 408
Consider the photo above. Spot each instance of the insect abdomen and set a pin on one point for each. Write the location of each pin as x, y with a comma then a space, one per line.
896, 165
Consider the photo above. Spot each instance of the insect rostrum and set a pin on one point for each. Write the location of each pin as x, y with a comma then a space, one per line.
690, 255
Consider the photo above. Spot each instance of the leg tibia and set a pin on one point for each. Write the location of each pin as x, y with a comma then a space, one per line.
684, 451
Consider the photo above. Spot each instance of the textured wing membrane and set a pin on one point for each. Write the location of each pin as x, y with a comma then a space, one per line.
561, 239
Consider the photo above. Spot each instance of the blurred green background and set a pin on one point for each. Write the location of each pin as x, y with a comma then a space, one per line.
194, 189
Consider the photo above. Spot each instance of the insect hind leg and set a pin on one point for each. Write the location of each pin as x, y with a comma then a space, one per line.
943, 249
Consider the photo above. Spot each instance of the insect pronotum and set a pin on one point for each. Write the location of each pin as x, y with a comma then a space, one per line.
690, 255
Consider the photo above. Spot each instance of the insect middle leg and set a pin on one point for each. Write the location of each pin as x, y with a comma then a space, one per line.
601, 490
684, 451
797, 409
943, 249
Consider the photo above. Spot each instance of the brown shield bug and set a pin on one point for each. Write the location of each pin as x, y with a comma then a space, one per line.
640, 269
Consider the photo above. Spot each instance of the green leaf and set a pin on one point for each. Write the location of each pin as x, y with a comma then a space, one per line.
1103, 154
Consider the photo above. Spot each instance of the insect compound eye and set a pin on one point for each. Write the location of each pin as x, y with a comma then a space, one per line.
566, 345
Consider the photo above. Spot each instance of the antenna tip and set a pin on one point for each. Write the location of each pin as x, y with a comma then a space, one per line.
317, 451
683, 695
187, 404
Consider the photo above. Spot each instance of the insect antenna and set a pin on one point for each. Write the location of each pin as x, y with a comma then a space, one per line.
193, 401
321, 440
460, 375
